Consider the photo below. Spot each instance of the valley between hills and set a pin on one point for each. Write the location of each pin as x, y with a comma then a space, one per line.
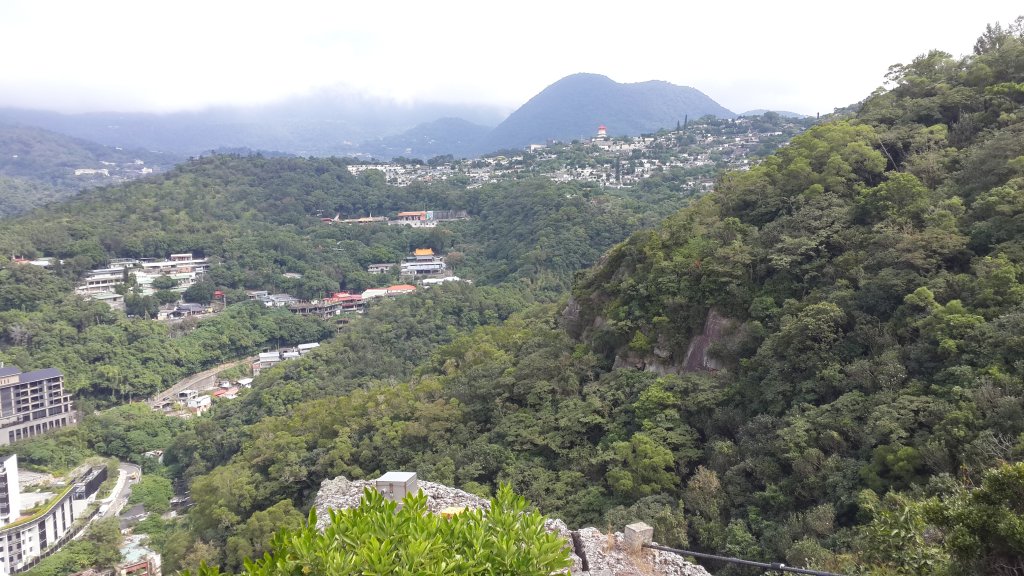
785, 340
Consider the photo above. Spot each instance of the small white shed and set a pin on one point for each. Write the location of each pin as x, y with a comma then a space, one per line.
395, 485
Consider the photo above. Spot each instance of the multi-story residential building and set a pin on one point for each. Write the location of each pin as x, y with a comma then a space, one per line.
24, 541
100, 280
32, 403
10, 491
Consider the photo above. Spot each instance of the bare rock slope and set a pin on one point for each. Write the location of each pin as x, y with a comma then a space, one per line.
604, 554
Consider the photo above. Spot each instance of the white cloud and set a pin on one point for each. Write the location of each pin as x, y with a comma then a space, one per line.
131, 55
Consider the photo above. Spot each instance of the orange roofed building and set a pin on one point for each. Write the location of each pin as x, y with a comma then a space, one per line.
412, 216
416, 219
423, 262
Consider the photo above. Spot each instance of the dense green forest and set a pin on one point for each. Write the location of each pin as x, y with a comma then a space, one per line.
18, 195
868, 412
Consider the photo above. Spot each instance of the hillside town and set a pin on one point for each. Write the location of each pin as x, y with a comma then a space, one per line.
696, 151
178, 272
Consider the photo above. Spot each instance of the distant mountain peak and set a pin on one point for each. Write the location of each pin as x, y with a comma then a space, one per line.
577, 104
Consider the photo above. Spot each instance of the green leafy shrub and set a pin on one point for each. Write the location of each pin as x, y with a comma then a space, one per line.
379, 537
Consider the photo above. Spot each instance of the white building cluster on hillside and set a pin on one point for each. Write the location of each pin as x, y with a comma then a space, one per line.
184, 268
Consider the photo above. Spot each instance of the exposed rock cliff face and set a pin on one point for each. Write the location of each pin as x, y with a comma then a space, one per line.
662, 359
605, 554
659, 360
697, 358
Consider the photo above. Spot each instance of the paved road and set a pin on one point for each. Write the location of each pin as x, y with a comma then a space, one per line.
205, 380
118, 496
122, 490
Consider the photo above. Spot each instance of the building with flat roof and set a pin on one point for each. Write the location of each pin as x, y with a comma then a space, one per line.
10, 490
24, 541
182, 268
32, 403
139, 559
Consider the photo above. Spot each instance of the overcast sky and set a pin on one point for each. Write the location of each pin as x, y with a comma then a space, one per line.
153, 55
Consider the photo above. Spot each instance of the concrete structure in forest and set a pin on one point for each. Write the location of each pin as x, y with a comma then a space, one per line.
396, 485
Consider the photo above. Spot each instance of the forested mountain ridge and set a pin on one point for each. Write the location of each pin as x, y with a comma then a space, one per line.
870, 395
343, 123
260, 217
38, 166
871, 275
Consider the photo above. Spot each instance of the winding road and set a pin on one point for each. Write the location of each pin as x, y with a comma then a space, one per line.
204, 380
122, 490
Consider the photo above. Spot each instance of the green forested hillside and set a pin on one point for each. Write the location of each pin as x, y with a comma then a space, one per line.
868, 412
18, 195
257, 219
38, 166
872, 270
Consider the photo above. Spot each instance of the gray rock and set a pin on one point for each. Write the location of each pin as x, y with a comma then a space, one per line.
608, 556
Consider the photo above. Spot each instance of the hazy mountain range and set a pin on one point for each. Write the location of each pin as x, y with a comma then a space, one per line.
341, 123
324, 124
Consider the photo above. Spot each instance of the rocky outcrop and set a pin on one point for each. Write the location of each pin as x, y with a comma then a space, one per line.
571, 317
656, 363
662, 360
605, 554
697, 358
341, 493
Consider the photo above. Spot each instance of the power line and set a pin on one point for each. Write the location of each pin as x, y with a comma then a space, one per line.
776, 566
